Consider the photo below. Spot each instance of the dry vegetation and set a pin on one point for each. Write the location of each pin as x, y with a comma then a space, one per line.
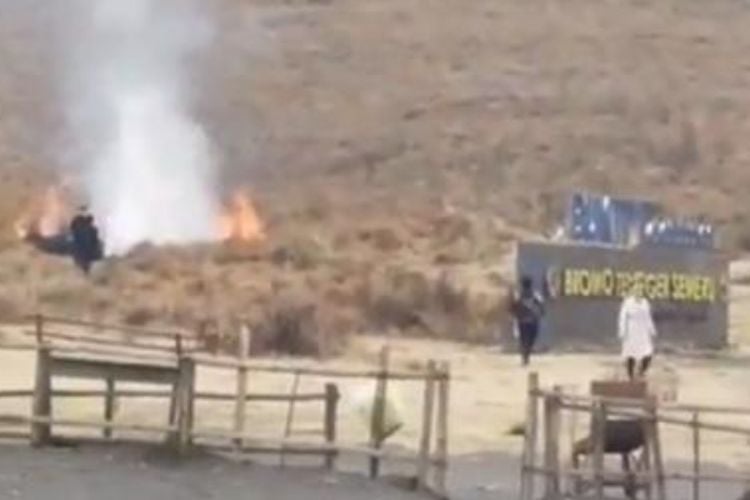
314, 281
420, 135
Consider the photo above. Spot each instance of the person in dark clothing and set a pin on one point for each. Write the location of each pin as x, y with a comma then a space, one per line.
86, 245
527, 308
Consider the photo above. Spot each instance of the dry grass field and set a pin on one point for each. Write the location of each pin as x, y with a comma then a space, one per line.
396, 149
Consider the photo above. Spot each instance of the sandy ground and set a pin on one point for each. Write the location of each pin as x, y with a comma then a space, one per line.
488, 390
487, 404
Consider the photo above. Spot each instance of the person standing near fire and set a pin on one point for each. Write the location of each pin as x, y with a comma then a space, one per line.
636, 331
87, 247
527, 308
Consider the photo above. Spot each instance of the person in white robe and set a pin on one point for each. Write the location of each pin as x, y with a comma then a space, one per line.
637, 332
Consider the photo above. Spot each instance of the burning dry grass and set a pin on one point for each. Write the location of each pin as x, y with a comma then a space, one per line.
316, 278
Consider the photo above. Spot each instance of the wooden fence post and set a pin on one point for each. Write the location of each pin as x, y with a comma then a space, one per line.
377, 425
186, 402
599, 420
331, 414
39, 329
241, 401
110, 405
654, 443
696, 457
552, 428
441, 470
530, 437
425, 442
42, 405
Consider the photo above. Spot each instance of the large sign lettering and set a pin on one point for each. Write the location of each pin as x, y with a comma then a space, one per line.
611, 283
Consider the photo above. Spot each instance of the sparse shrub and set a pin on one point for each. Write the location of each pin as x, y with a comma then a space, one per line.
140, 316
290, 328
302, 253
449, 298
385, 239
393, 310
450, 228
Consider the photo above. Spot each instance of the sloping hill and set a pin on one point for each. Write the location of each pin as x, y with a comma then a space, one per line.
379, 124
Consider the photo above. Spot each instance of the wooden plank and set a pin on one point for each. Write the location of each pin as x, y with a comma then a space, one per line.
530, 437
331, 416
42, 404
39, 328
599, 421
147, 332
628, 390
160, 393
11, 435
174, 401
16, 393
132, 372
185, 406
109, 406
100, 340
241, 394
647, 460
443, 427
706, 426
643, 477
118, 355
377, 423
91, 424
696, 457
19, 346
552, 428
613, 402
314, 372
425, 442
661, 492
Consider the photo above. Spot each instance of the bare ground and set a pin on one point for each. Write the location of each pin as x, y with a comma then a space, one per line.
127, 473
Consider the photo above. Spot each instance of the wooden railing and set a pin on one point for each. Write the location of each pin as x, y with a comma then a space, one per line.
84, 340
554, 402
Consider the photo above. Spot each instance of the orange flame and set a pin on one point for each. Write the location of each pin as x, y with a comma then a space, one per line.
47, 215
240, 220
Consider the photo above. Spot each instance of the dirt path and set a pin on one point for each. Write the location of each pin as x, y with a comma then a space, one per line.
127, 473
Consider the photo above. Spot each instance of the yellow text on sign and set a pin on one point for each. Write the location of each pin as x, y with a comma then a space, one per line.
680, 287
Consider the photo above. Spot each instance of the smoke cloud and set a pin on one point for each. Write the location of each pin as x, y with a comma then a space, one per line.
149, 172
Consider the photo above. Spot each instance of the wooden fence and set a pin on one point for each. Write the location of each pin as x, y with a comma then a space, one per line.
83, 349
555, 474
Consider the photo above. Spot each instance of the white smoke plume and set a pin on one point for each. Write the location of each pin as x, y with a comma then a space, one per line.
149, 172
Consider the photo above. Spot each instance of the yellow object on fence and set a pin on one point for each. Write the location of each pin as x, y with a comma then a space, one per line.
363, 402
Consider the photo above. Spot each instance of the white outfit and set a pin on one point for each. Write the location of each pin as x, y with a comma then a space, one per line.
636, 328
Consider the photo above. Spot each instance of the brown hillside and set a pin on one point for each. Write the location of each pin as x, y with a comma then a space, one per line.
368, 127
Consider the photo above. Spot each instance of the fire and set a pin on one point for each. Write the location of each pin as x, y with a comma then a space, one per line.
47, 215
240, 220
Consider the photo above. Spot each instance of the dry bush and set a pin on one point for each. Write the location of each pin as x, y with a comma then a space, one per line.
292, 328
301, 252
384, 239
239, 253
452, 227
142, 315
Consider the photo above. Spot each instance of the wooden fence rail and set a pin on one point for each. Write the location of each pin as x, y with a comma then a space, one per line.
599, 409
71, 347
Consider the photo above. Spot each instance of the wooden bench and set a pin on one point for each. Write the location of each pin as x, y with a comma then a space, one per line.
626, 437
97, 357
